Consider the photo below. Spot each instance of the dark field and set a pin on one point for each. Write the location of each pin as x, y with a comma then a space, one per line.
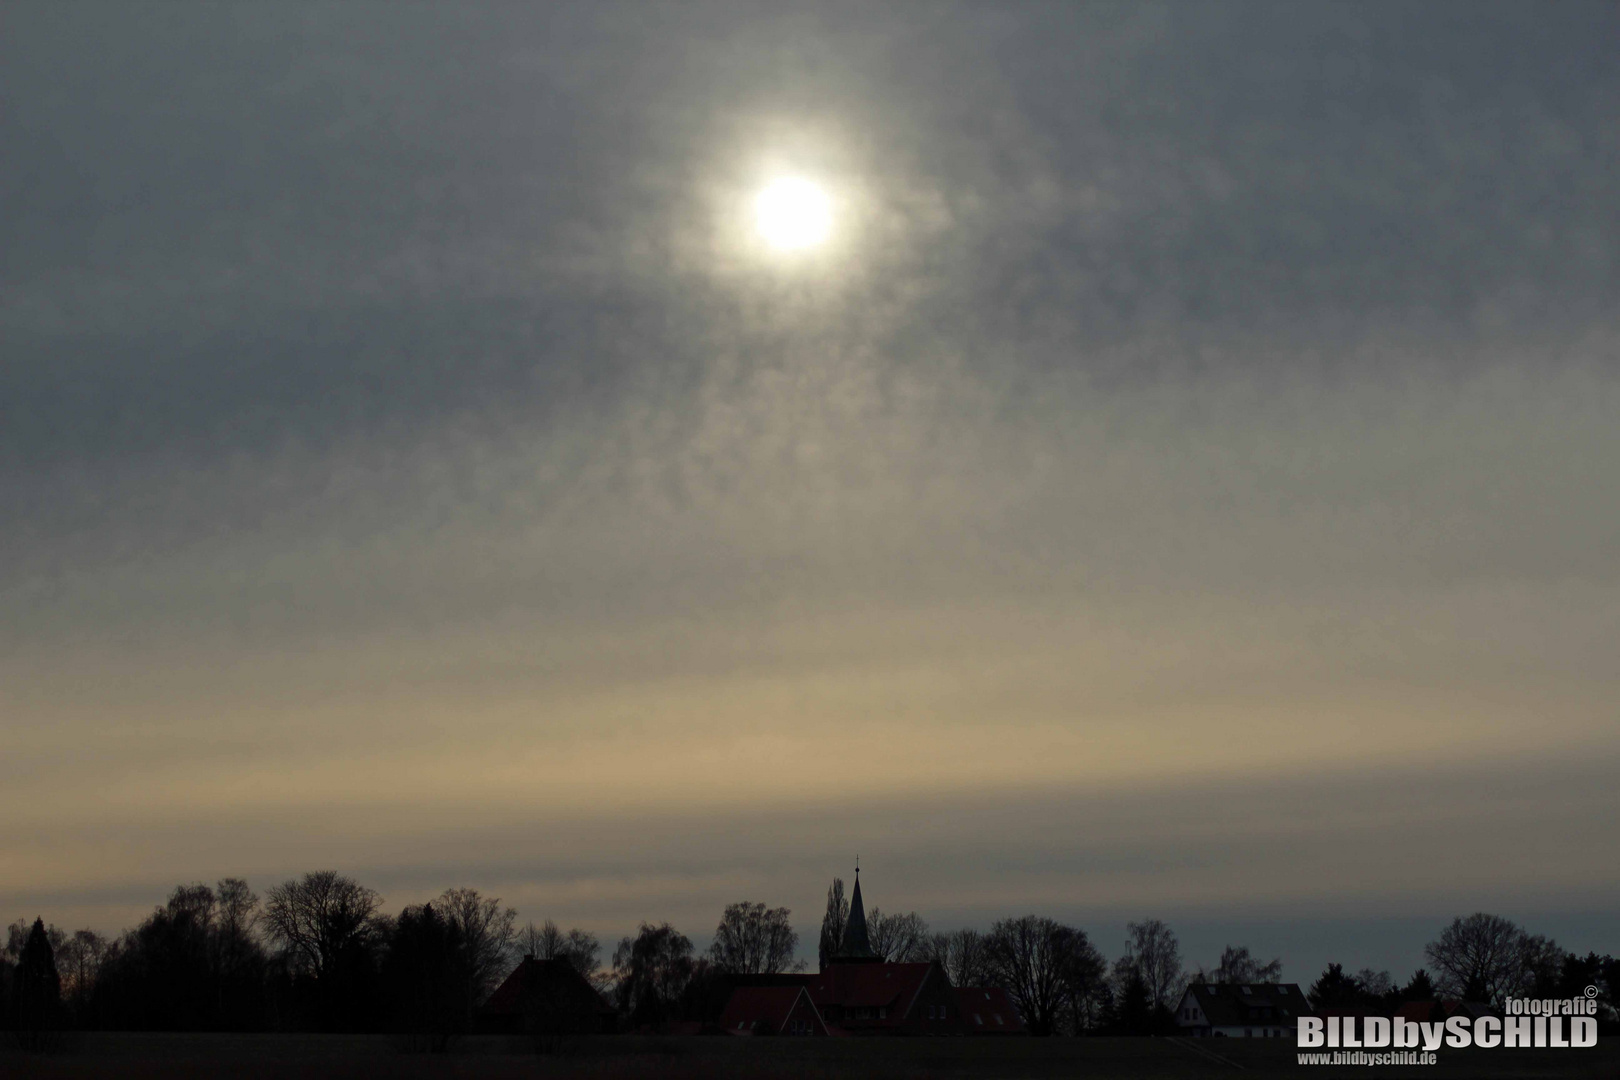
355, 1057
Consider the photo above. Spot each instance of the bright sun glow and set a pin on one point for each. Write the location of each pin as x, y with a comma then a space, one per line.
793, 213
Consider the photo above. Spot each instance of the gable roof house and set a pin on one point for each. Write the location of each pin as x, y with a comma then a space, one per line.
771, 1010
1241, 1010
987, 1010
547, 997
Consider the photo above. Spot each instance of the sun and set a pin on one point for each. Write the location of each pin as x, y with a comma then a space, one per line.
793, 213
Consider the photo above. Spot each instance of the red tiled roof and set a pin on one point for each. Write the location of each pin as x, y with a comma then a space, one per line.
755, 1008
853, 986
987, 1008
508, 997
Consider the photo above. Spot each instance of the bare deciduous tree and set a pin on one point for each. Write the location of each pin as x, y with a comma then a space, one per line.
584, 952
1379, 984
1085, 985
317, 918
1043, 965
1238, 966
238, 908
1151, 950
488, 933
77, 962
753, 939
898, 939
963, 955
544, 941
1488, 958
548, 942
234, 944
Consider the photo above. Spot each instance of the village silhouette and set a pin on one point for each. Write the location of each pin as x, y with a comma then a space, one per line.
317, 954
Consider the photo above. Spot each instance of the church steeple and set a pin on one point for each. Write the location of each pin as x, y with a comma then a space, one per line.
856, 945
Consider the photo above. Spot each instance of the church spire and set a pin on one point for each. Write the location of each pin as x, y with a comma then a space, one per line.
856, 945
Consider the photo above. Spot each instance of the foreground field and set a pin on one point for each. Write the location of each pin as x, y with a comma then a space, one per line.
360, 1057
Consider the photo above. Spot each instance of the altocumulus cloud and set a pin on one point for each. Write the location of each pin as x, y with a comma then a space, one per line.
410, 468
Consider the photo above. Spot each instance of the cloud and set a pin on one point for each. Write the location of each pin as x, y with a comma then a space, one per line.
404, 432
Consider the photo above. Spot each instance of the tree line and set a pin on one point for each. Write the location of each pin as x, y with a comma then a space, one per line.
314, 954
317, 954
1477, 958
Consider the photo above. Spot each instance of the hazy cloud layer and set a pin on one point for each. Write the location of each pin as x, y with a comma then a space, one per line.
411, 462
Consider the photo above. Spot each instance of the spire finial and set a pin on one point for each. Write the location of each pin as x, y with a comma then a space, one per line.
857, 945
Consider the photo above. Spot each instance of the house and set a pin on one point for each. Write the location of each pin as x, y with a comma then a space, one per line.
547, 997
1241, 1010
987, 1010
771, 1010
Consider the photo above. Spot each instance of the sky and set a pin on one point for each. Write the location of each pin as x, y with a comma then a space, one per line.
1185, 483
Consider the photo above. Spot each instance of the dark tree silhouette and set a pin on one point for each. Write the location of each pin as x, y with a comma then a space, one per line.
36, 991
193, 964
708, 989
963, 955
1579, 972
237, 958
1487, 958
1152, 951
428, 976
1085, 985
547, 942
1133, 1011
1378, 986
1419, 988
898, 939
753, 939
79, 961
332, 936
488, 935
832, 924
1339, 992
1041, 964
1544, 963
10, 953
651, 972
157, 975
1238, 966
320, 918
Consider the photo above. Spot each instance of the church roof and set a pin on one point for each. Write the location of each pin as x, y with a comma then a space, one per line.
856, 945
853, 986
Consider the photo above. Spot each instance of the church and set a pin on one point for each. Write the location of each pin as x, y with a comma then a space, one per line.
859, 993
